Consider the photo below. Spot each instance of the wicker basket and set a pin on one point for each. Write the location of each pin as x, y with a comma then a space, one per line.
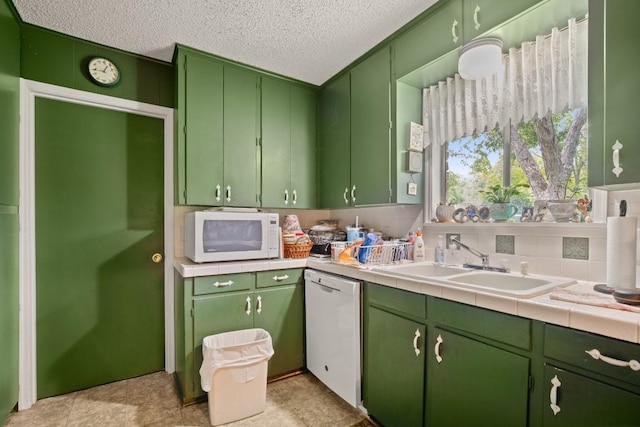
300, 249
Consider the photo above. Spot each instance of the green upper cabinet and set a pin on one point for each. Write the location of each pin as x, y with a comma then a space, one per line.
9, 106
217, 133
334, 154
614, 88
288, 144
371, 130
480, 16
438, 33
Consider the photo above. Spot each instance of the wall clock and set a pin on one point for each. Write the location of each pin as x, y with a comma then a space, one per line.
103, 72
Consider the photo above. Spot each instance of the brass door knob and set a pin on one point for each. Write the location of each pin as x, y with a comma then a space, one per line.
157, 257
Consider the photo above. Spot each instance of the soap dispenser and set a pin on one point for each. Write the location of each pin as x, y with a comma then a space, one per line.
418, 247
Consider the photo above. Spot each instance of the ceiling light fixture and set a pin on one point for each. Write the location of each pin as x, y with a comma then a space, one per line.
480, 58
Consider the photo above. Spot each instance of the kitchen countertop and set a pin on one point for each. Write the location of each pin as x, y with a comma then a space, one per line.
604, 321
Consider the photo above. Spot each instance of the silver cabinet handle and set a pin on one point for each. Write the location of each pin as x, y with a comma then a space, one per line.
353, 194
617, 170
634, 365
286, 197
344, 196
280, 278
223, 284
553, 395
415, 342
259, 304
475, 18
453, 31
436, 349
247, 306
228, 193
295, 197
218, 190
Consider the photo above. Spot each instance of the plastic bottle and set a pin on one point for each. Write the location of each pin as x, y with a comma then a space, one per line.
411, 240
439, 252
418, 247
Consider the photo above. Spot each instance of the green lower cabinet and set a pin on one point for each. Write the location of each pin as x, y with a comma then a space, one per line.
473, 383
576, 400
203, 309
394, 369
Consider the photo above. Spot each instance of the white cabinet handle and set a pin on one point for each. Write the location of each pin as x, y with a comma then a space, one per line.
436, 349
259, 304
295, 197
286, 197
228, 193
553, 395
634, 365
344, 196
353, 194
616, 158
415, 342
218, 190
247, 306
475, 18
223, 284
453, 31
280, 278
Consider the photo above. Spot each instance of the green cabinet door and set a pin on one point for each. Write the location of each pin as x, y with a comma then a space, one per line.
241, 109
480, 16
581, 401
472, 383
279, 310
214, 315
9, 303
371, 129
614, 88
303, 147
276, 143
393, 381
334, 153
438, 33
204, 131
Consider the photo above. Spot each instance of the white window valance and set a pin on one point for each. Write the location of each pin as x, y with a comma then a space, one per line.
541, 77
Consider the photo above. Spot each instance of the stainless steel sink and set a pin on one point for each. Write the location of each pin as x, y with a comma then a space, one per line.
510, 283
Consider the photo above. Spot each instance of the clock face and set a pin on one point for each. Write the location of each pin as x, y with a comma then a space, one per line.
104, 72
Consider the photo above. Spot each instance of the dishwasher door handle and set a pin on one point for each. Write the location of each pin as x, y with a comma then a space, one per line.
327, 288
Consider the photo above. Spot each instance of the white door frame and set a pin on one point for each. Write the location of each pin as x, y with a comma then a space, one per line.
29, 91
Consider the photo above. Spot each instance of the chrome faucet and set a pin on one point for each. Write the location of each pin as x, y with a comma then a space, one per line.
483, 257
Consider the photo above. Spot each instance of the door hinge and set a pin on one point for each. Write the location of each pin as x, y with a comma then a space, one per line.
184, 194
390, 124
259, 198
184, 129
530, 382
192, 313
259, 141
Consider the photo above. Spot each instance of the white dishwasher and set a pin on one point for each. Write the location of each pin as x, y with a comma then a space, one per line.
332, 305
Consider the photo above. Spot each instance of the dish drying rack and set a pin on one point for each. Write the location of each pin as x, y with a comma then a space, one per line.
384, 253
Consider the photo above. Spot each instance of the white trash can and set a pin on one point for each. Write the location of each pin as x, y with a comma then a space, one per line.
234, 373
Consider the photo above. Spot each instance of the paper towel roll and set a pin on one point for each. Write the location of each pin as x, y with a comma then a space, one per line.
621, 252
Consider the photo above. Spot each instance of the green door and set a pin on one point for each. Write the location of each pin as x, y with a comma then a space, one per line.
371, 130
276, 144
281, 313
241, 108
393, 372
585, 402
303, 147
475, 383
214, 315
99, 219
334, 153
204, 131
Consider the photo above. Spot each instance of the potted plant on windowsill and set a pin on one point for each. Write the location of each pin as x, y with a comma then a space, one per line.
499, 198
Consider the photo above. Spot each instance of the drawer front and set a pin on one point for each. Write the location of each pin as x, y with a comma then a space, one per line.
578, 348
396, 299
501, 327
223, 283
267, 279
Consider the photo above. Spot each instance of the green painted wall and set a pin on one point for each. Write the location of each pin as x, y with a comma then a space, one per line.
9, 143
55, 58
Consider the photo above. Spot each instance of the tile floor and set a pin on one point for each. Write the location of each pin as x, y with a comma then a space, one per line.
152, 400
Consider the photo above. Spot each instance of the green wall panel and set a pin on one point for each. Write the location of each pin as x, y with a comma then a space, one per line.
58, 59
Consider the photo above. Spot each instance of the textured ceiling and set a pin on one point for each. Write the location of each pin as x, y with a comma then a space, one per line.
309, 40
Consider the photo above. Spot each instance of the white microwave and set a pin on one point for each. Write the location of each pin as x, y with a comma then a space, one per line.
211, 236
